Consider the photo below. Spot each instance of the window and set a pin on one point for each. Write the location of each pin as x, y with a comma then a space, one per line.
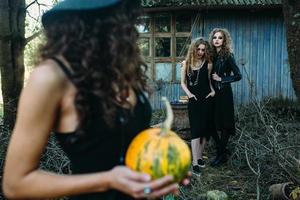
162, 47
164, 41
144, 25
144, 44
182, 45
162, 23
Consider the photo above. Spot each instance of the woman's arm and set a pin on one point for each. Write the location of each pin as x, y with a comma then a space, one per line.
212, 91
38, 106
235, 70
37, 113
183, 81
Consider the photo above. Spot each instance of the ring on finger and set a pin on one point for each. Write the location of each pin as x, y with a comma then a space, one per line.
147, 191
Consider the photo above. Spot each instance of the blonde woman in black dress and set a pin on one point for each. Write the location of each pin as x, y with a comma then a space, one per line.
195, 81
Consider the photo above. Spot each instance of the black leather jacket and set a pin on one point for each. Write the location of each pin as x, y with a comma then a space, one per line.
227, 69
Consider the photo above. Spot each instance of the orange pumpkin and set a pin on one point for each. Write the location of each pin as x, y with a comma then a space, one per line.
159, 151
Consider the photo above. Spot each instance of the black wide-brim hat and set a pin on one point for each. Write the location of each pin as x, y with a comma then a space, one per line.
75, 6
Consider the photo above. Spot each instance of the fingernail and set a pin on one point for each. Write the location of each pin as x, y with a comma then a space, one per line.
186, 182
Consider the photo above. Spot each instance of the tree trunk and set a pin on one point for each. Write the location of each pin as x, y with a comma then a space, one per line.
12, 42
291, 11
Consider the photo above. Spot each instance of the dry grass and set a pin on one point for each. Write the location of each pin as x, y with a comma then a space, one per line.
53, 159
264, 151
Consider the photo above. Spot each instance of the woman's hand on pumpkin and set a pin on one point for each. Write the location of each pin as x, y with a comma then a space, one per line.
134, 183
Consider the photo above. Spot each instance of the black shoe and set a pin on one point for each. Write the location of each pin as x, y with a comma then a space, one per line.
201, 163
219, 160
196, 169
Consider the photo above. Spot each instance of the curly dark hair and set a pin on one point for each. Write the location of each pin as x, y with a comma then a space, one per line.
101, 48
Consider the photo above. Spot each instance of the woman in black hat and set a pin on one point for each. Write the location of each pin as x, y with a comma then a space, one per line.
88, 90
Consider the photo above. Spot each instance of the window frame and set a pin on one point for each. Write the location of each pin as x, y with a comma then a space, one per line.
152, 59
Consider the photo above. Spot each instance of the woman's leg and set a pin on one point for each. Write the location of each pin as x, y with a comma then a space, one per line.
221, 147
202, 146
224, 141
195, 143
200, 161
217, 139
195, 150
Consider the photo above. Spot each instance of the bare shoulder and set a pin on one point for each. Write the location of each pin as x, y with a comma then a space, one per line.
46, 85
47, 75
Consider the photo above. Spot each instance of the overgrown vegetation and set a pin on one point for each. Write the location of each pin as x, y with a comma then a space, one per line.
264, 151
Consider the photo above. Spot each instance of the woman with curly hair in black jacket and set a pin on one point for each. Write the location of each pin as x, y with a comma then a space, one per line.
225, 71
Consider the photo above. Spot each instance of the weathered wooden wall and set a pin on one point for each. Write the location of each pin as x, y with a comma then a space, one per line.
260, 48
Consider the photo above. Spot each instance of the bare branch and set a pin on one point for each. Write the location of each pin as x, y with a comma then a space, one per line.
30, 4
36, 2
35, 19
33, 36
248, 162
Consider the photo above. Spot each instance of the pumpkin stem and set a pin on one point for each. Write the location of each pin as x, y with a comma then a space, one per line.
166, 126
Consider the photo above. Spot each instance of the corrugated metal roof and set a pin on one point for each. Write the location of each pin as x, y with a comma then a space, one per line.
204, 3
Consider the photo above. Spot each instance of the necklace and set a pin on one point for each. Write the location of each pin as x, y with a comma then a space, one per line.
197, 77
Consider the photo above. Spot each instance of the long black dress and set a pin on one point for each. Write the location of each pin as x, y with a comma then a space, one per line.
200, 110
229, 72
101, 148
